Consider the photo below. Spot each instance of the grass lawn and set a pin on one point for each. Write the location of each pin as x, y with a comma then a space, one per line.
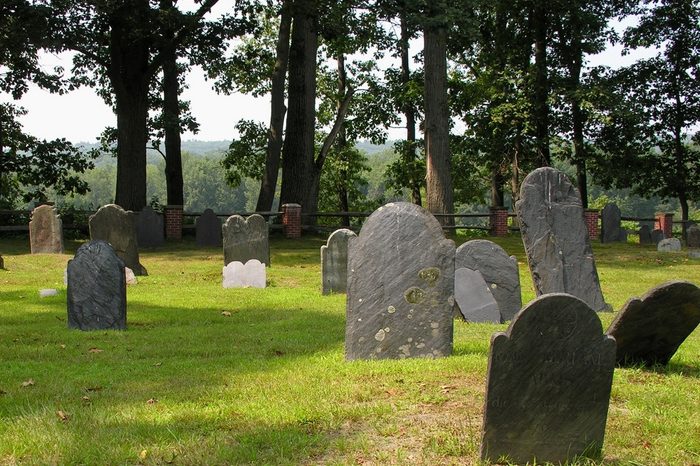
205, 375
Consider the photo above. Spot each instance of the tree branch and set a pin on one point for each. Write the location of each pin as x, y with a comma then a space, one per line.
337, 125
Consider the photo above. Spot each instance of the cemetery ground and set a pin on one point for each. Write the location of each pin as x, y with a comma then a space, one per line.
206, 375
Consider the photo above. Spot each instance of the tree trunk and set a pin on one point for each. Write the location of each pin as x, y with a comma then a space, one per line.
298, 148
497, 182
408, 110
277, 112
541, 108
342, 143
438, 166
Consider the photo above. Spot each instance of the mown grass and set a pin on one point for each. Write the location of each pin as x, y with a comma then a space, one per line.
189, 384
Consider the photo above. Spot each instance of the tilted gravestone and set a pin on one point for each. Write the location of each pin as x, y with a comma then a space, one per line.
117, 226
611, 230
96, 288
46, 231
650, 330
548, 384
669, 245
692, 237
150, 228
657, 236
645, 235
334, 262
400, 286
246, 239
208, 229
498, 269
473, 297
249, 275
556, 239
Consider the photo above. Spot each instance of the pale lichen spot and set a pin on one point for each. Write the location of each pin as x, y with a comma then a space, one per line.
359, 300
435, 333
494, 286
387, 329
414, 295
430, 275
451, 300
391, 309
420, 345
405, 350
380, 335
409, 340
434, 324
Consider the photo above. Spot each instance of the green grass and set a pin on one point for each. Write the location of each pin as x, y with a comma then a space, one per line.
186, 384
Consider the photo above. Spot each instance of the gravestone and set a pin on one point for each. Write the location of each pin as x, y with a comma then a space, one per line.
669, 245
2, 263
556, 239
117, 226
46, 231
208, 229
400, 286
248, 275
611, 225
650, 330
96, 288
474, 298
645, 235
692, 235
548, 384
334, 262
657, 236
150, 229
498, 269
246, 239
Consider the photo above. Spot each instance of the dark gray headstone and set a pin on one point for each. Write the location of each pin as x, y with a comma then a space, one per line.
46, 231
400, 286
117, 226
334, 262
150, 228
669, 245
246, 239
96, 288
692, 235
2, 263
556, 239
208, 229
657, 236
611, 230
474, 298
650, 330
498, 269
645, 235
548, 384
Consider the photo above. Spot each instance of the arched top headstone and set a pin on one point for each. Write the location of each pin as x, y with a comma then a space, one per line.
150, 228
334, 261
117, 226
46, 231
238, 275
245, 239
208, 229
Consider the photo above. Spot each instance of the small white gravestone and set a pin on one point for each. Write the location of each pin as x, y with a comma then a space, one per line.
669, 245
46, 292
130, 276
474, 297
238, 275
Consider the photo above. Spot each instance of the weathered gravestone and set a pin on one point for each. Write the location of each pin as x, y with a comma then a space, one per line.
46, 231
246, 239
334, 262
657, 236
117, 226
473, 297
2, 263
149, 228
650, 330
692, 237
669, 245
645, 235
498, 269
556, 239
96, 288
238, 275
208, 229
400, 286
611, 230
548, 384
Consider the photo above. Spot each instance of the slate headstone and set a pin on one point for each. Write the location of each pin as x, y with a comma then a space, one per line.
548, 384
208, 229
669, 245
645, 235
249, 275
692, 235
400, 286
2, 263
556, 239
117, 226
46, 231
650, 330
96, 288
246, 239
334, 262
611, 225
498, 269
150, 228
473, 296
657, 236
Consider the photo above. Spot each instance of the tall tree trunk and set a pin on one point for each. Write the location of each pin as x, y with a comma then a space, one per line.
277, 112
541, 107
437, 149
497, 182
298, 149
408, 110
342, 143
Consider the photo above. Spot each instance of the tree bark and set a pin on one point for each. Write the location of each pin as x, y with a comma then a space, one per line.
277, 113
408, 110
342, 143
541, 108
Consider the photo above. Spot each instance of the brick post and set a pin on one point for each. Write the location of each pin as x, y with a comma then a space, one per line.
173, 222
291, 220
591, 217
664, 222
498, 221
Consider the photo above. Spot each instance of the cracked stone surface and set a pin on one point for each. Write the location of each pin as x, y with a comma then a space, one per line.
117, 226
245, 239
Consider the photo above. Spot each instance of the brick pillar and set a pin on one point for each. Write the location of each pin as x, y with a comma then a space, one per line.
498, 221
664, 222
291, 220
591, 217
173, 222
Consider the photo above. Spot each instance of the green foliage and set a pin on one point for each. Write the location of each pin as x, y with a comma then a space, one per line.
345, 173
246, 155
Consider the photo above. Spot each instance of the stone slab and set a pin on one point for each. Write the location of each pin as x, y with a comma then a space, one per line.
46, 231
611, 230
556, 239
669, 245
208, 229
650, 329
2, 263
150, 228
245, 239
657, 236
548, 384
334, 262
400, 286
117, 226
47, 292
473, 297
692, 235
249, 275
645, 235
